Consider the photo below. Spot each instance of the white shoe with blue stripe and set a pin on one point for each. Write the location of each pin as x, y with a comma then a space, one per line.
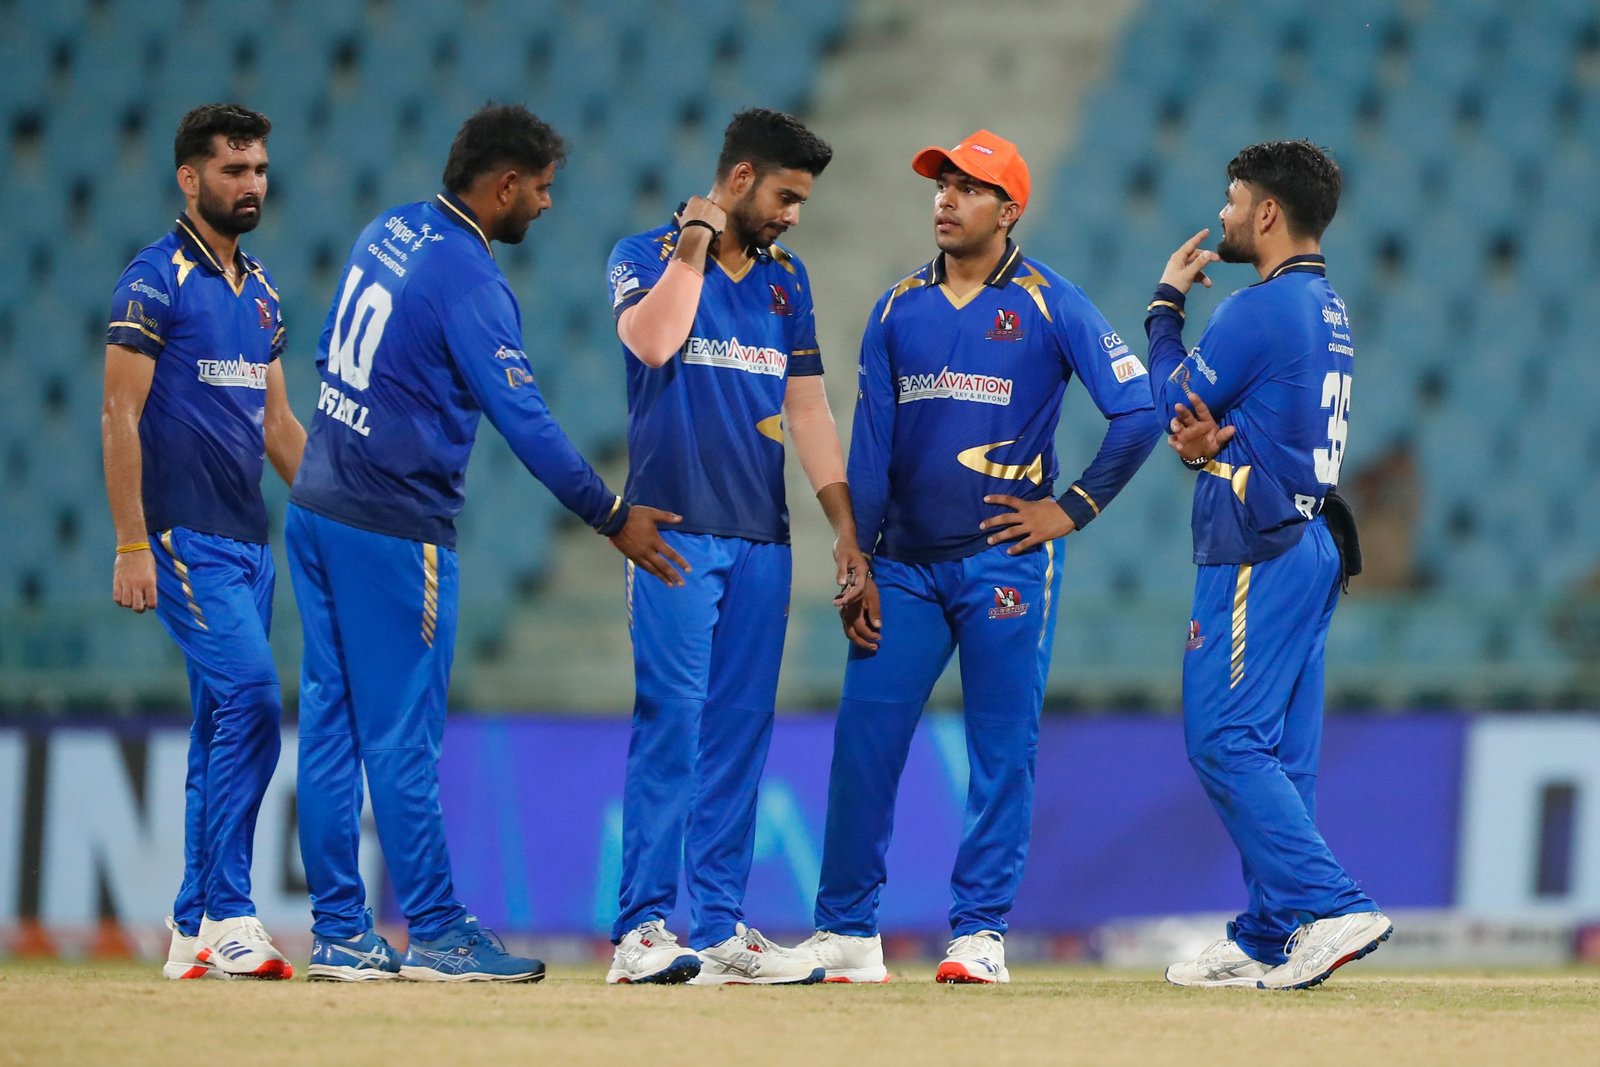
975, 959
242, 948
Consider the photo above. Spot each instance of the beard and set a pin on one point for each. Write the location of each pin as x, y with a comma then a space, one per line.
1233, 249
229, 219
749, 228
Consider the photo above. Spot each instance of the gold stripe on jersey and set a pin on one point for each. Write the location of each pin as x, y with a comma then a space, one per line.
772, 427
184, 265
977, 459
1032, 284
141, 328
1239, 477
916, 281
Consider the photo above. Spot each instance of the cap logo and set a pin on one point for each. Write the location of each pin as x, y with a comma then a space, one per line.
986, 150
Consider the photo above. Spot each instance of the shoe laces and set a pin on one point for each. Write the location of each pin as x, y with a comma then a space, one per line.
755, 941
250, 927
967, 944
656, 930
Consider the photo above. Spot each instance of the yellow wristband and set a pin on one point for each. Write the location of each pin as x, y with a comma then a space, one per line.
134, 546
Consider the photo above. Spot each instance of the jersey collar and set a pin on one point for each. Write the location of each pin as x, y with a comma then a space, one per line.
204, 257
456, 210
1311, 263
999, 278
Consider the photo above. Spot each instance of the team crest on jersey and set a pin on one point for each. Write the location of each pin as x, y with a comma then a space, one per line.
1008, 603
1005, 327
1196, 638
265, 311
780, 300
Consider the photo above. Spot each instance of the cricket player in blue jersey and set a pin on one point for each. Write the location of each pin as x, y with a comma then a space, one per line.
964, 365
1261, 409
423, 337
194, 395
719, 338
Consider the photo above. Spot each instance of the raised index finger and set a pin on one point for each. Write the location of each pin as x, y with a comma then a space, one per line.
1188, 247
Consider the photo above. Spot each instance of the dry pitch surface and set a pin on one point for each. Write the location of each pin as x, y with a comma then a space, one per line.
62, 1014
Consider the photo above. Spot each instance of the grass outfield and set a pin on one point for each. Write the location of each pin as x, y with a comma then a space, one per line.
66, 1014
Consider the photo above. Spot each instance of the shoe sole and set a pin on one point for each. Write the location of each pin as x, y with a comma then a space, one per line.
956, 974
272, 970
852, 979
1212, 984
814, 978
331, 972
183, 972
1361, 953
428, 974
682, 969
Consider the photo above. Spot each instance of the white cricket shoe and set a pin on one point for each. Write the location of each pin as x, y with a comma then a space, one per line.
188, 957
1319, 948
847, 958
978, 958
1223, 963
747, 958
241, 947
649, 953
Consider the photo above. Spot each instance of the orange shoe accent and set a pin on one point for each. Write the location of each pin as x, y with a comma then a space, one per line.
852, 981
33, 943
272, 969
111, 942
194, 972
955, 974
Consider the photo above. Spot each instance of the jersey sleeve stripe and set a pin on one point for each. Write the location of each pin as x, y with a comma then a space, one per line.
140, 327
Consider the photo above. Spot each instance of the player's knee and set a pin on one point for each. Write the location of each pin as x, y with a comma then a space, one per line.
255, 703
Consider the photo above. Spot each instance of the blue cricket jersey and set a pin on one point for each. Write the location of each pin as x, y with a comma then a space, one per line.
423, 336
1275, 363
201, 433
960, 398
705, 435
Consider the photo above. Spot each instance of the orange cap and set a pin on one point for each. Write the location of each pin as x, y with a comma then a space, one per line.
986, 156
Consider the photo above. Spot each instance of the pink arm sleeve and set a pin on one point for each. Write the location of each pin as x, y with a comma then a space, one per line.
656, 327
805, 409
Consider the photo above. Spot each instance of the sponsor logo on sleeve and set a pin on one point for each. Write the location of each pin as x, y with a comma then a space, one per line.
517, 377
144, 288
1008, 603
507, 352
1202, 366
1128, 367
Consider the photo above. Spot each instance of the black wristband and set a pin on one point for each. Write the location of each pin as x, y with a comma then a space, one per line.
1198, 464
715, 233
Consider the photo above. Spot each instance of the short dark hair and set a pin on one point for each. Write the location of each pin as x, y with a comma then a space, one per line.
771, 140
500, 135
200, 127
1298, 175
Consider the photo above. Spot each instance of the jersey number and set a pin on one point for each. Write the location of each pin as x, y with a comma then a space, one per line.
350, 354
1335, 395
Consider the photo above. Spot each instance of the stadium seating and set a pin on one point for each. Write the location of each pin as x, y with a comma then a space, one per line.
1469, 134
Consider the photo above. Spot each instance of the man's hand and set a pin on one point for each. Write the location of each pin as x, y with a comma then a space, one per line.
1193, 433
133, 580
696, 240
1188, 264
1034, 521
641, 541
861, 616
853, 571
